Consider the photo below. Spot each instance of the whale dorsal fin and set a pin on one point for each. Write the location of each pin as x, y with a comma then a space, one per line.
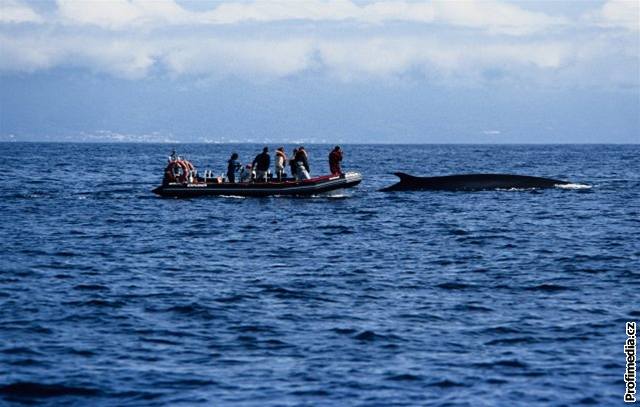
403, 176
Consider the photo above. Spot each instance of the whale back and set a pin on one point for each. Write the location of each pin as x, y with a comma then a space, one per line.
471, 182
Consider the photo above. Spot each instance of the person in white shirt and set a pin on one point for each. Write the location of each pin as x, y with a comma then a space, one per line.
281, 160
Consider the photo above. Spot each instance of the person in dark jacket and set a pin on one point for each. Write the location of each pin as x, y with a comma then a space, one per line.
302, 164
233, 166
261, 164
292, 162
335, 158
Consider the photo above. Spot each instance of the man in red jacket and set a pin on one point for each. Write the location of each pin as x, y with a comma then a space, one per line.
335, 158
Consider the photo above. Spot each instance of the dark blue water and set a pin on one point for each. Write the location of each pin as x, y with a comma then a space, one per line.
112, 296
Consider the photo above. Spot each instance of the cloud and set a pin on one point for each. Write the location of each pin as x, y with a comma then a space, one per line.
315, 10
239, 57
492, 15
12, 11
395, 56
625, 13
448, 42
122, 14
355, 58
617, 14
126, 59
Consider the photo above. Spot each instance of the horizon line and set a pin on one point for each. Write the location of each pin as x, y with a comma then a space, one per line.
312, 143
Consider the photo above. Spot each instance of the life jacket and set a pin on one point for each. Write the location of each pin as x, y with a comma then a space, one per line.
281, 159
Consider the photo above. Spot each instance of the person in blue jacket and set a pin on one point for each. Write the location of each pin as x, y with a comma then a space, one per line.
233, 166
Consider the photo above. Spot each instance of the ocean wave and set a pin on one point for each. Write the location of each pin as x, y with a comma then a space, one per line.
405, 377
547, 287
455, 286
574, 186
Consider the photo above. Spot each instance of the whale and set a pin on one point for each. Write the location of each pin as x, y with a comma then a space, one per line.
471, 182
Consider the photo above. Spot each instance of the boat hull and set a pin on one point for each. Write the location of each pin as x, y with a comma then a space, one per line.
308, 187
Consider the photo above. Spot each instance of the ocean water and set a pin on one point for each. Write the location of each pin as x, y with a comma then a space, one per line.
111, 296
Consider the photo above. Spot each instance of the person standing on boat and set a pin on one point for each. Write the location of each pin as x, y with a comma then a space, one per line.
302, 164
281, 161
292, 163
233, 166
335, 158
246, 173
261, 164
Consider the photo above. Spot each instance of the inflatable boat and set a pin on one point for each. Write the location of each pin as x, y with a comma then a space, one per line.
290, 187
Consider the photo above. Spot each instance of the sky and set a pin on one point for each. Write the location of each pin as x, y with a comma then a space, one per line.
456, 71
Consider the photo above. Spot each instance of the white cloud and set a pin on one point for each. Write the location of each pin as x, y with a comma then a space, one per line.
316, 10
357, 57
12, 11
215, 56
26, 54
377, 56
122, 14
383, 57
127, 59
491, 15
131, 38
495, 16
617, 14
624, 13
